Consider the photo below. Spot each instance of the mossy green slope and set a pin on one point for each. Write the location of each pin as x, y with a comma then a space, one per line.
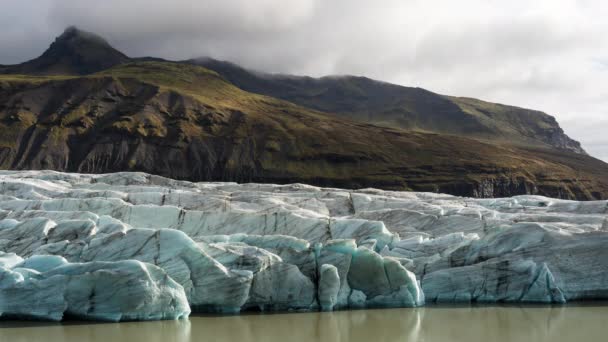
391, 105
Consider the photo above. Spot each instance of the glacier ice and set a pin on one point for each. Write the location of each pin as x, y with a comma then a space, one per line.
329, 286
126, 246
48, 287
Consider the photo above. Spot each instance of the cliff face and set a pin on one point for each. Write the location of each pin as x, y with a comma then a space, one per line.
528, 127
187, 122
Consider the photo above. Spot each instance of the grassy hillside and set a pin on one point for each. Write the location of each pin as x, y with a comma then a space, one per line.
187, 122
390, 105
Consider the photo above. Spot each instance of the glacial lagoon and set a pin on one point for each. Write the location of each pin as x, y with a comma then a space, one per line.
433, 323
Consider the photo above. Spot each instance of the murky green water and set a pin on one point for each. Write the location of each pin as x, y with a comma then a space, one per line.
587, 322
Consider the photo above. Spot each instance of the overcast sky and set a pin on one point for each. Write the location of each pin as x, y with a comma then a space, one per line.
550, 55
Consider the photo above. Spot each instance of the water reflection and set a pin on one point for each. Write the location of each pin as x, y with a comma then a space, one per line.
497, 323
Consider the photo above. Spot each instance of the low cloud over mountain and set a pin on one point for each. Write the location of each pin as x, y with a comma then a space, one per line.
550, 55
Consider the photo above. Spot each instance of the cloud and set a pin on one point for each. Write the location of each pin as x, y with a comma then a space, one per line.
550, 55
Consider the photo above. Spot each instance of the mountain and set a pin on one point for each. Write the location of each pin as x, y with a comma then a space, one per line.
188, 122
75, 52
391, 105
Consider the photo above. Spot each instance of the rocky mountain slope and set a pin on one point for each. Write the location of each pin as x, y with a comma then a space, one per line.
188, 122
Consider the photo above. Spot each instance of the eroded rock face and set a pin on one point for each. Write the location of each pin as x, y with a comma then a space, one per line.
225, 247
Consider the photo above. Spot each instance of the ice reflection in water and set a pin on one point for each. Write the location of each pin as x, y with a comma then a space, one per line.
497, 323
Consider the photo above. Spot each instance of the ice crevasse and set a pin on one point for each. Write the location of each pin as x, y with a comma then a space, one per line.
133, 246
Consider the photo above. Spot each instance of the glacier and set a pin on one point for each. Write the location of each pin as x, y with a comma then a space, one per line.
134, 246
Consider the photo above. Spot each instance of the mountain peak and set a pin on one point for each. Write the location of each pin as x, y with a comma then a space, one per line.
73, 34
74, 52
70, 31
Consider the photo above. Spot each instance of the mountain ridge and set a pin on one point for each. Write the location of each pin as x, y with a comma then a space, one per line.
78, 52
186, 121
393, 105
